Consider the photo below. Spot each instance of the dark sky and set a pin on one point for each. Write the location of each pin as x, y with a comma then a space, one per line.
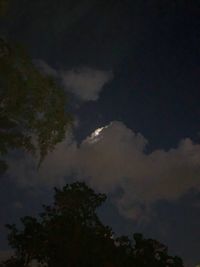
132, 67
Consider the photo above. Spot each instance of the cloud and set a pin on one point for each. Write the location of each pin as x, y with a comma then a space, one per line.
117, 159
86, 83
45, 68
113, 158
53, 170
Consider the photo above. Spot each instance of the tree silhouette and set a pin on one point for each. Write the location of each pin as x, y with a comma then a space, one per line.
70, 233
150, 252
3, 7
33, 109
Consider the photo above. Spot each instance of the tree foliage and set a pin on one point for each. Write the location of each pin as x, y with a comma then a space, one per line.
69, 233
33, 113
3, 7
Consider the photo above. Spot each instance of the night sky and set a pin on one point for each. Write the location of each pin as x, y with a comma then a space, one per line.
132, 72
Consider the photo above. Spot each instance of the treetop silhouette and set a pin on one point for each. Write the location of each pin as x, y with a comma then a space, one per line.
70, 233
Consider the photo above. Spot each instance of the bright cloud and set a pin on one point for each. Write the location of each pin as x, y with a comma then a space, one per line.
114, 157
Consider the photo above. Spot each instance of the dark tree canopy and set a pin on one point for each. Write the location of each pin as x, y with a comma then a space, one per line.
3, 7
69, 233
33, 114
